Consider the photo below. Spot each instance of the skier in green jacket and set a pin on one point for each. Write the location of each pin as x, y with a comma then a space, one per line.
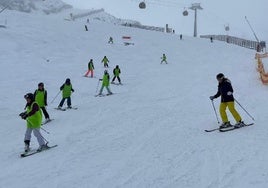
90, 68
105, 83
33, 117
116, 72
40, 96
67, 90
164, 59
105, 61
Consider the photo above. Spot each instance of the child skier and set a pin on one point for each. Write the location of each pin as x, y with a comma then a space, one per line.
33, 117
105, 62
116, 72
225, 90
111, 41
90, 68
164, 59
105, 83
40, 96
67, 90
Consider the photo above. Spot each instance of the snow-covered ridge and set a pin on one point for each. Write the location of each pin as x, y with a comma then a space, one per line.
46, 6
101, 15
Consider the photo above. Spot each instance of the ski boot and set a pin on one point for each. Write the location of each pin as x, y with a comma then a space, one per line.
239, 124
42, 147
27, 145
225, 125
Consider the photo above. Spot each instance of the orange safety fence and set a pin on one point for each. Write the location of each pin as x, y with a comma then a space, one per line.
261, 55
260, 67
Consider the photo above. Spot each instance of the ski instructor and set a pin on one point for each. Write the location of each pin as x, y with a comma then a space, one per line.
225, 90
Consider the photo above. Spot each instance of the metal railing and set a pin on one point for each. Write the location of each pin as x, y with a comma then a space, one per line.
258, 46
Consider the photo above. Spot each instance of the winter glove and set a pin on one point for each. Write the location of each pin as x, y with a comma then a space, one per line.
229, 93
211, 98
23, 115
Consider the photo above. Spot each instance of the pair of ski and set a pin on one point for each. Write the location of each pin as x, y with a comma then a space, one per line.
231, 128
118, 84
98, 95
89, 76
29, 153
64, 109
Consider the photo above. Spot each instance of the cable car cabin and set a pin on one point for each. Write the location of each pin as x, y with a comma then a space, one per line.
185, 13
142, 5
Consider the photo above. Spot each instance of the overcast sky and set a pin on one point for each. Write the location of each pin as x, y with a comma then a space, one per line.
216, 14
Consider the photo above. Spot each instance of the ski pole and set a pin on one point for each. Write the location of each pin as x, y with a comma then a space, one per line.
40, 127
42, 136
39, 131
97, 87
215, 111
44, 130
55, 97
244, 109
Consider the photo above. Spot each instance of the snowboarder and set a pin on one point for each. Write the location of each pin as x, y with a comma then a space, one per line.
225, 90
33, 117
105, 62
67, 90
111, 41
180, 36
116, 72
164, 59
105, 83
90, 68
40, 96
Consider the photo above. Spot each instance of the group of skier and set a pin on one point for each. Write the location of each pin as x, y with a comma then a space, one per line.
36, 103
106, 77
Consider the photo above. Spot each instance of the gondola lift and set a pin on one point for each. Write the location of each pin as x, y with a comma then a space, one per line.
185, 13
142, 5
227, 28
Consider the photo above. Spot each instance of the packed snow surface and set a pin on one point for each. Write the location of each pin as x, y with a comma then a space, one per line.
150, 133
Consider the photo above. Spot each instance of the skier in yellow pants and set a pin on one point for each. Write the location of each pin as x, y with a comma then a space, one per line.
225, 90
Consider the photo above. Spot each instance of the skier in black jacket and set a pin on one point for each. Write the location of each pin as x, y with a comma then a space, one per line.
225, 90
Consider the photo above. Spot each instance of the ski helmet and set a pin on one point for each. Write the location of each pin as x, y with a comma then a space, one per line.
29, 96
68, 81
41, 84
220, 76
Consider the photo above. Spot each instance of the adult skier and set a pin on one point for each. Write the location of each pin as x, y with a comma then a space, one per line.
116, 72
105, 83
40, 96
90, 68
33, 117
67, 90
105, 62
225, 90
